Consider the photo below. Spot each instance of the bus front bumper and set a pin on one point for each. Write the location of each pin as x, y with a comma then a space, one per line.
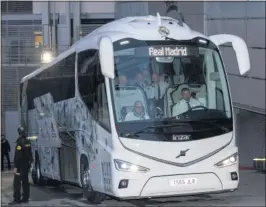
178, 195
175, 185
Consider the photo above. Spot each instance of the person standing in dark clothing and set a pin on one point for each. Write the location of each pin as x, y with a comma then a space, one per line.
22, 162
5, 150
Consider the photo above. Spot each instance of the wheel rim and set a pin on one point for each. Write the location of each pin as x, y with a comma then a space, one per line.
86, 180
38, 173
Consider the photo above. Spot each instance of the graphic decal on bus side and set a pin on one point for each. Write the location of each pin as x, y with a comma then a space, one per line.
48, 139
106, 173
73, 116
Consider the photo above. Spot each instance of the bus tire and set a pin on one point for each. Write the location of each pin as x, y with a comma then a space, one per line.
91, 195
53, 183
36, 174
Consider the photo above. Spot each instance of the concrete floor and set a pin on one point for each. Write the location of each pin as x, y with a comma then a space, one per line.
251, 192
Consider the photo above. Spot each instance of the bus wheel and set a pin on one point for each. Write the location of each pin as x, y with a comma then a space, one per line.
53, 183
91, 195
36, 174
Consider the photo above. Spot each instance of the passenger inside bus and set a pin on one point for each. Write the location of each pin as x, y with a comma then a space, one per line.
186, 103
157, 89
140, 81
122, 80
125, 98
146, 76
138, 113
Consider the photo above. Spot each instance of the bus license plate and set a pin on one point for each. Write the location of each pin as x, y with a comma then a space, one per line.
185, 181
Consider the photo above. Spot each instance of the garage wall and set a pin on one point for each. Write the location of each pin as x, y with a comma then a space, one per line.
250, 131
247, 20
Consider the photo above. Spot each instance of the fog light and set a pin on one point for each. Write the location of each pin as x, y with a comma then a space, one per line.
123, 184
234, 176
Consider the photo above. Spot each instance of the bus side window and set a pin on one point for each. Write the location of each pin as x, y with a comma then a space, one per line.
86, 77
91, 85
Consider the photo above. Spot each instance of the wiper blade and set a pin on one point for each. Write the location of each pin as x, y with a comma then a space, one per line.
142, 130
134, 134
156, 126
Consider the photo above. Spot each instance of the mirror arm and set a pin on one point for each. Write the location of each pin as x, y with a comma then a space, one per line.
239, 46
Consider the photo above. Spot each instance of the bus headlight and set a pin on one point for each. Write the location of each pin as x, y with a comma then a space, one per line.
129, 167
228, 161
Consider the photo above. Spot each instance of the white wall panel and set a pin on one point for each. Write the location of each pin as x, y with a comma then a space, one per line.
236, 27
247, 91
191, 7
86, 7
123, 9
257, 61
214, 27
59, 7
37, 7
213, 10
195, 22
256, 9
233, 9
97, 7
255, 31
256, 93
239, 89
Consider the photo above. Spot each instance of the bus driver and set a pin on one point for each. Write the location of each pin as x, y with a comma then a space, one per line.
186, 103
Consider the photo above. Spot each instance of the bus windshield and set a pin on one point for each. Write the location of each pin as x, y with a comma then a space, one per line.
168, 83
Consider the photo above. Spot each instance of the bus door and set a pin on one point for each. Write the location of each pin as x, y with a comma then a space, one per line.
68, 155
101, 166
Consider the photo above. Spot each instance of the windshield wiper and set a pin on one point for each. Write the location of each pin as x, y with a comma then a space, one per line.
134, 134
142, 130
153, 127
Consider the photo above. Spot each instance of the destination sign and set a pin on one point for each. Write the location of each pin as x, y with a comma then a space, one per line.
174, 51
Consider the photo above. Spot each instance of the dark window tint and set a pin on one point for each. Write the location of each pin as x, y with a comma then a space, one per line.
91, 85
20, 93
17, 7
58, 80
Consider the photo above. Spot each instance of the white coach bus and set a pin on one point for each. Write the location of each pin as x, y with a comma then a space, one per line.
100, 128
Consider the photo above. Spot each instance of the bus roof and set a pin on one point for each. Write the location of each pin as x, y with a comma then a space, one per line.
135, 27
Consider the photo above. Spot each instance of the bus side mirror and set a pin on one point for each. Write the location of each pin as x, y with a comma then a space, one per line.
239, 46
106, 54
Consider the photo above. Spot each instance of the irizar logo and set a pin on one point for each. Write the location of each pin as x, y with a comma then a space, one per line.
163, 31
181, 137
